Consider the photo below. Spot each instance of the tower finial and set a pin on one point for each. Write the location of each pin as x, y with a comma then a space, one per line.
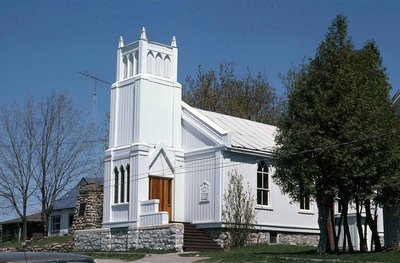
143, 34
173, 42
121, 42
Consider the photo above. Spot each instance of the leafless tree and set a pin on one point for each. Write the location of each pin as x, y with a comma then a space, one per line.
45, 146
17, 158
64, 146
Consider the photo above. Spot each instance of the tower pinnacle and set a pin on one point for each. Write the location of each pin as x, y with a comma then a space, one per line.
173, 42
121, 42
143, 34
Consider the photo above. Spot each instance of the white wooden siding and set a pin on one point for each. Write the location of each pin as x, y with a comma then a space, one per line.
193, 139
200, 169
282, 211
125, 119
107, 191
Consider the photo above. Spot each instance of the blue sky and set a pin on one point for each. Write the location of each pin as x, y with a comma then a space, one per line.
43, 44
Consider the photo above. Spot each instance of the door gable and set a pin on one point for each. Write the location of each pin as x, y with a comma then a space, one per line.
161, 162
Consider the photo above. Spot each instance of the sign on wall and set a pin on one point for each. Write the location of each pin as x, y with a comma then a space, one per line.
204, 192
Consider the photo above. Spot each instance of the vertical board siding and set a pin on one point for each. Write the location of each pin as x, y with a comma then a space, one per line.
112, 118
125, 118
106, 191
281, 211
197, 171
118, 212
193, 139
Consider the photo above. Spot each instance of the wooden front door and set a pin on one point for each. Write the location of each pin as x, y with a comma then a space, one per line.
161, 188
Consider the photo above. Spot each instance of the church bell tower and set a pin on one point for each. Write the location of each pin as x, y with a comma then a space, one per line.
145, 117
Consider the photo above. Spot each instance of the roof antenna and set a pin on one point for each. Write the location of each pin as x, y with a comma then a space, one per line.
94, 101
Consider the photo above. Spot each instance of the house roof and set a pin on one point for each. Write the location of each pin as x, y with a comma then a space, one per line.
69, 199
30, 218
245, 133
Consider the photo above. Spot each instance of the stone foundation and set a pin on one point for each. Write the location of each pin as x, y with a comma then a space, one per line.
162, 237
264, 237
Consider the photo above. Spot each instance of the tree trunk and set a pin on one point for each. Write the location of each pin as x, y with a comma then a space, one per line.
373, 226
363, 244
339, 231
24, 229
331, 229
326, 242
346, 229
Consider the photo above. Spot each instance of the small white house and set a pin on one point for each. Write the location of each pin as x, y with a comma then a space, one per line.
169, 162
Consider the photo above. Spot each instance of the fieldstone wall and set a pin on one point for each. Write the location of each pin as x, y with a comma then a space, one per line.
298, 239
162, 237
91, 198
264, 237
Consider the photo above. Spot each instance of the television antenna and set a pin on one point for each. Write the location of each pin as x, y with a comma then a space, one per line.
94, 101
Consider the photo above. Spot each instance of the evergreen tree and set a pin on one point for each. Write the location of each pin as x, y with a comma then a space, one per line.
335, 133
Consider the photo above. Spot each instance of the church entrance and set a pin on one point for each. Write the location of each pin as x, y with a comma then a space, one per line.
161, 188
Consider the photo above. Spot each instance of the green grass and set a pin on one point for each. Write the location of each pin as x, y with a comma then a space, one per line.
50, 240
131, 255
286, 253
38, 242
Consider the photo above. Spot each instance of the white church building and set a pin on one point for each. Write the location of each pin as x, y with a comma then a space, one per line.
169, 163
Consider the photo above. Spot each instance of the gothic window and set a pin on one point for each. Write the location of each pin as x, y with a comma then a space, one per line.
159, 65
122, 200
128, 181
262, 184
130, 65
125, 62
116, 183
136, 63
167, 67
150, 62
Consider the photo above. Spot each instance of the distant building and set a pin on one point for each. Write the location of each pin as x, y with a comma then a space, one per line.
12, 229
66, 209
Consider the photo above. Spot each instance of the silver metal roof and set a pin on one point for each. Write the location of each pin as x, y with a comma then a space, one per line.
245, 133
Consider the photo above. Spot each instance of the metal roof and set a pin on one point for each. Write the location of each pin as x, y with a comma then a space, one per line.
245, 133
69, 199
29, 218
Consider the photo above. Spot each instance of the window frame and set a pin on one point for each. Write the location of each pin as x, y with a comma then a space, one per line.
53, 224
263, 172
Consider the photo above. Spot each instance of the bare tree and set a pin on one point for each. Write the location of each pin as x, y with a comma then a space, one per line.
64, 145
238, 212
45, 147
17, 158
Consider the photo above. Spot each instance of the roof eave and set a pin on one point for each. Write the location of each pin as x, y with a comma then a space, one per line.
254, 152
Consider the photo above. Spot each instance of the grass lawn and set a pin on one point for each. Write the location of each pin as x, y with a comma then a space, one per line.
39, 242
286, 253
131, 255
126, 256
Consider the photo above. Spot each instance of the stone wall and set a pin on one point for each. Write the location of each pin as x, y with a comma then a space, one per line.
265, 237
91, 200
162, 237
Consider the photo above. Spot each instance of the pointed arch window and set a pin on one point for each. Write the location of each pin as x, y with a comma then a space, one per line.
125, 62
116, 184
130, 65
150, 62
122, 192
262, 184
159, 65
167, 67
136, 63
128, 181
